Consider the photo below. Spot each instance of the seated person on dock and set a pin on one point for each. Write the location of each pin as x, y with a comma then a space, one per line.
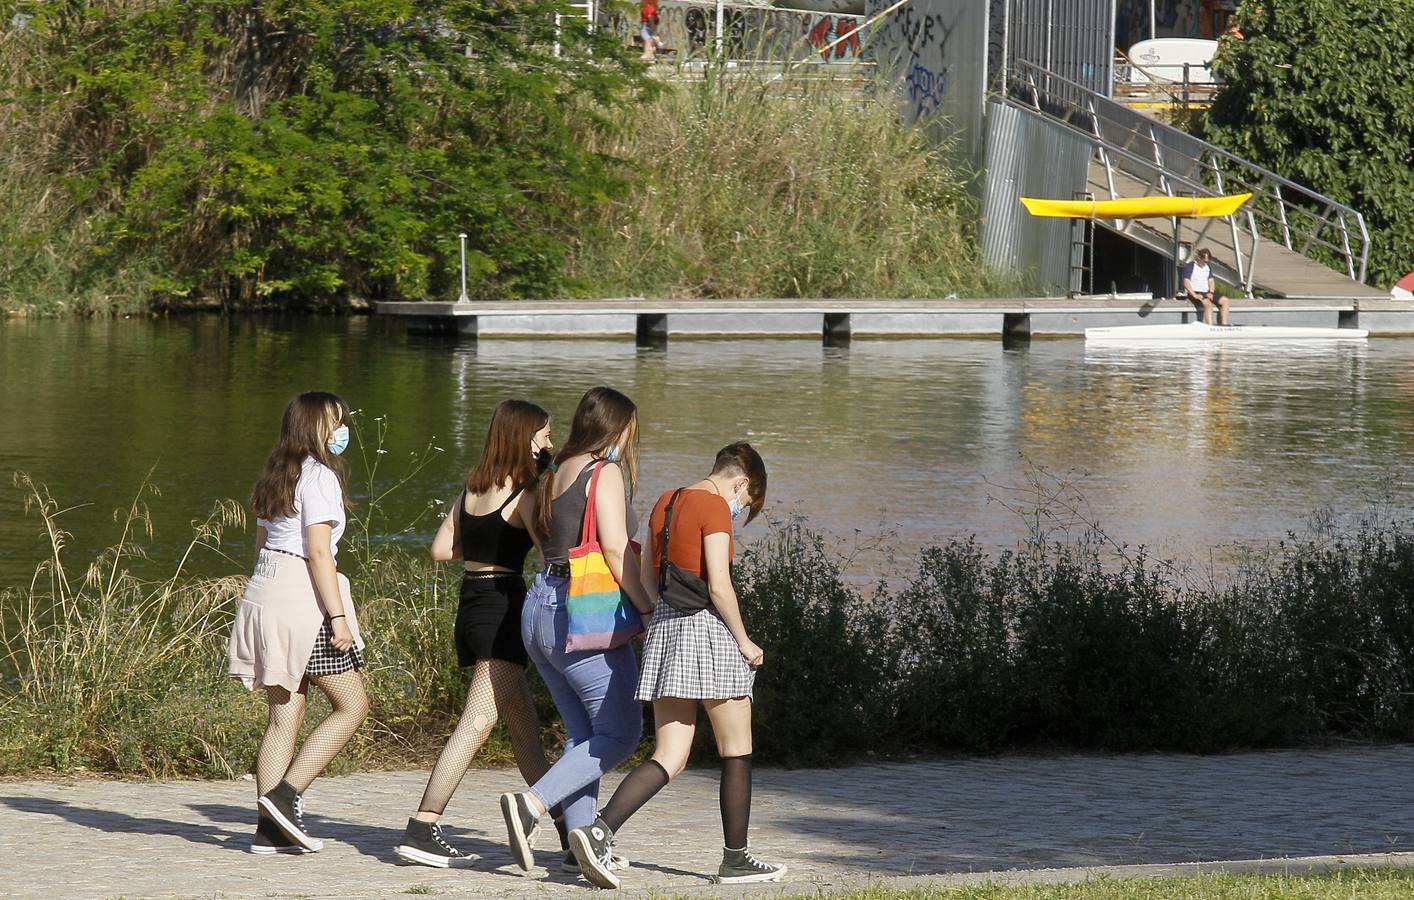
1198, 288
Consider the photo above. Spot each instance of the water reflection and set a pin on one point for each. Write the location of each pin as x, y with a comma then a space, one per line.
1186, 448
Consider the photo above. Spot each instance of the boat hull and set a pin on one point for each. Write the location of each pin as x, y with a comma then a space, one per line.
1199, 332
1136, 207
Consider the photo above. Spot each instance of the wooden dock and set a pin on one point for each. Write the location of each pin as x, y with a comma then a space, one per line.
835, 321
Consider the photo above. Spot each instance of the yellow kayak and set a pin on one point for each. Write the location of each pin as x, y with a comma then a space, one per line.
1137, 207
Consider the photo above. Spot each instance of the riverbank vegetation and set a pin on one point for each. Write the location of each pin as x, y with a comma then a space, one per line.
1066, 642
1320, 92
180, 154
750, 184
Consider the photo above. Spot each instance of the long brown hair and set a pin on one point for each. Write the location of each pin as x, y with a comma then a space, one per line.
602, 415
309, 421
507, 451
742, 458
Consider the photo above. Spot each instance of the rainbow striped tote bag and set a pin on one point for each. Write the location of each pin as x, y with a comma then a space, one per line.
600, 614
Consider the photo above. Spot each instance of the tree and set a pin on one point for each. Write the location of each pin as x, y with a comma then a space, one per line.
299, 151
1322, 92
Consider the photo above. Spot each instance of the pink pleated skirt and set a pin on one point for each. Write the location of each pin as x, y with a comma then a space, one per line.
278, 622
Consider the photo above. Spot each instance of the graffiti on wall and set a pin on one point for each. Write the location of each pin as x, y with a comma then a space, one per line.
914, 45
936, 51
688, 28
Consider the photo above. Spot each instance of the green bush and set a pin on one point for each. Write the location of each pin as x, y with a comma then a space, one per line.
1067, 643
249, 153
1319, 91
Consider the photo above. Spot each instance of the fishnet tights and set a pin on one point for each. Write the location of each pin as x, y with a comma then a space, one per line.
276, 761
498, 688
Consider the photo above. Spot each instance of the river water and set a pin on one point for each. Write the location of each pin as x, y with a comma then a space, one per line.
893, 444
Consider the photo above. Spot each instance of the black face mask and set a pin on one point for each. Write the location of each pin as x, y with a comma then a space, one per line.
543, 457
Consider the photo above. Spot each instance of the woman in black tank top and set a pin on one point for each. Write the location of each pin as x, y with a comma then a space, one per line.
487, 528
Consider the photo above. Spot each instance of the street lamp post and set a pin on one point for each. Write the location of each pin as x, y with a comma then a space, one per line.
463, 298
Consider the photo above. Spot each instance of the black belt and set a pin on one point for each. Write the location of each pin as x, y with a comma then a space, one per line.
286, 552
558, 570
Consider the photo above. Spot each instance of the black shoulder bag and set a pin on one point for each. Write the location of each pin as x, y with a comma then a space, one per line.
681, 590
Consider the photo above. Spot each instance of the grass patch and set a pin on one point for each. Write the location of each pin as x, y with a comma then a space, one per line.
756, 184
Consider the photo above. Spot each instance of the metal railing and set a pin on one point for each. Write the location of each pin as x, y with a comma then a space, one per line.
1171, 161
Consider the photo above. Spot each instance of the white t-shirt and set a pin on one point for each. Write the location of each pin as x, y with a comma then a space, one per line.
317, 499
1197, 276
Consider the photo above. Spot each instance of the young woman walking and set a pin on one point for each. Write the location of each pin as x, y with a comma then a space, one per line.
593, 690
697, 652
295, 625
487, 527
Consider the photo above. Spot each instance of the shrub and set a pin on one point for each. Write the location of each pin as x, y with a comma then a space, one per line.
299, 153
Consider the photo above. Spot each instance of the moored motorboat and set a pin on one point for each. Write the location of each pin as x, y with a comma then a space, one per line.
1198, 331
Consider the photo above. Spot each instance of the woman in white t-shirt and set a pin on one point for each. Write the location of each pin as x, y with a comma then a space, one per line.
295, 624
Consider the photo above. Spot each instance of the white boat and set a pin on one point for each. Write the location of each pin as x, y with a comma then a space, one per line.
1161, 60
1197, 331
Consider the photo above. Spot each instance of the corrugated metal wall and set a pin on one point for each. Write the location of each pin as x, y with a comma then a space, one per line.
1073, 38
1028, 155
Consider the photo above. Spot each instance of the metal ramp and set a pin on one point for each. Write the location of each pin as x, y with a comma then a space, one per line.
1288, 241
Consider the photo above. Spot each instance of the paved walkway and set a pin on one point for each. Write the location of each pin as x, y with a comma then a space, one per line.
1065, 815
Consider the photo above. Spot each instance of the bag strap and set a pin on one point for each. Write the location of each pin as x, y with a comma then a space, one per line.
590, 526
663, 554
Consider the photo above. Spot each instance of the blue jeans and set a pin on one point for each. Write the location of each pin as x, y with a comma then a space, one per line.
594, 694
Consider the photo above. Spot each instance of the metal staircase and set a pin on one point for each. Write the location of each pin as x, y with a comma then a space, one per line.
1310, 245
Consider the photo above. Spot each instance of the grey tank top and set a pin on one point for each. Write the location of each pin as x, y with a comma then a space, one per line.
567, 519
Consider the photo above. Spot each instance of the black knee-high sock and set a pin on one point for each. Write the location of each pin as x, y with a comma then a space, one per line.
557, 813
635, 790
736, 800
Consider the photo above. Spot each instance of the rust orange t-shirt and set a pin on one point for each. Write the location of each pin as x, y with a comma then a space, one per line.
697, 514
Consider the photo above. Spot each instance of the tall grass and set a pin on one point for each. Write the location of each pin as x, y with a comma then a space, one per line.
749, 183
1066, 641
105, 671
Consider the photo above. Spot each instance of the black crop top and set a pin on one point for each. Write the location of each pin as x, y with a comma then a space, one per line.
493, 541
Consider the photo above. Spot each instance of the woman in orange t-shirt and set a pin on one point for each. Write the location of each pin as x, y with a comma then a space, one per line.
700, 654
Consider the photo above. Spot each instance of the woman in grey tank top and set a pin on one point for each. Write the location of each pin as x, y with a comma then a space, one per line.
593, 690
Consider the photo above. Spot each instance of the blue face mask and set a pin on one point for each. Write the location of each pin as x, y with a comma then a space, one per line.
340, 441
612, 453
735, 507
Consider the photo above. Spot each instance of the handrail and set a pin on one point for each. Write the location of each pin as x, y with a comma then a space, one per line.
1301, 214
1172, 184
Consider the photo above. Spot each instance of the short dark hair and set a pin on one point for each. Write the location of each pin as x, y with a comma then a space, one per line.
742, 458
1203, 252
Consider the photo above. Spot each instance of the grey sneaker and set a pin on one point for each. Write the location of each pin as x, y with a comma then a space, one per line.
617, 862
423, 844
269, 839
522, 826
594, 848
285, 807
739, 867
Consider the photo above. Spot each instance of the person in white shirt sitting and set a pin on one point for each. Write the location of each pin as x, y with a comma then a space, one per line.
1198, 288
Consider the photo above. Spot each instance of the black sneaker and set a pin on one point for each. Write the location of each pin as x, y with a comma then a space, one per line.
739, 867
594, 848
269, 839
522, 825
617, 862
285, 807
423, 844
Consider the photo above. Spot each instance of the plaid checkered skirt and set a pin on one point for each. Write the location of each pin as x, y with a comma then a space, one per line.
693, 657
325, 660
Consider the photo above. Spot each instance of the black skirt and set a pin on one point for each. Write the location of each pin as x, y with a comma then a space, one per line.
488, 619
